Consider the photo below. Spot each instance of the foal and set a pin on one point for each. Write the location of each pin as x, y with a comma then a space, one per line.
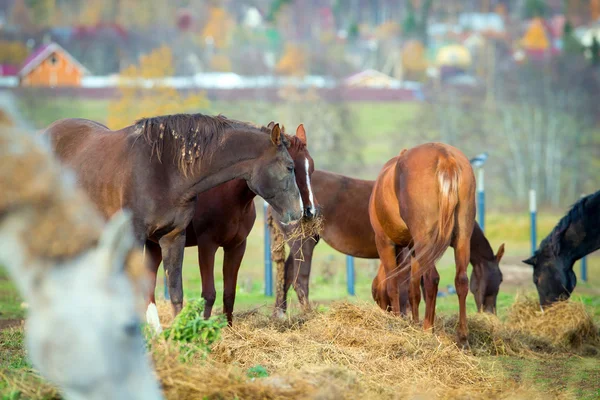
157, 167
424, 201
83, 330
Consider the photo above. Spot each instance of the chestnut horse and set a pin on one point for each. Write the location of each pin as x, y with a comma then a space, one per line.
485, 281
422, 203
344, 205
158, 166
224, 218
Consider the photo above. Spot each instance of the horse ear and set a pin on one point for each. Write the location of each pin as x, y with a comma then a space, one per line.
276, 135
500, 253
117, 240
531, 261
270, 125
301, 133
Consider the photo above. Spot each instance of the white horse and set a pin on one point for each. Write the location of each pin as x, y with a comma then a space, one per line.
82, 329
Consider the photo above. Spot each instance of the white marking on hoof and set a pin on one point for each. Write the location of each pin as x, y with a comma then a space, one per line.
152, 318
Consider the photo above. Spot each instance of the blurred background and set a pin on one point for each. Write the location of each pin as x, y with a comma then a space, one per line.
517, 79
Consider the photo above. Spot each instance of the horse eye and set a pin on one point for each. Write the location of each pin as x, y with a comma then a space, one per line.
290, 168
132, 328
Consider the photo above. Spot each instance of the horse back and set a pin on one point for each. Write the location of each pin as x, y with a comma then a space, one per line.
100, 158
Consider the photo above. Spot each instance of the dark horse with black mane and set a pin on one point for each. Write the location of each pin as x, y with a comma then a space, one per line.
157, 167
576, 235
224, 218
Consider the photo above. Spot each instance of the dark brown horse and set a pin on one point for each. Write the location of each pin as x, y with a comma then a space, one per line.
422, 203
158, 166
224, 218
344, 205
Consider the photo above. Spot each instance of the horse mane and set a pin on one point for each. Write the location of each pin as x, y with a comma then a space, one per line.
189, 138
576, 213
294, 143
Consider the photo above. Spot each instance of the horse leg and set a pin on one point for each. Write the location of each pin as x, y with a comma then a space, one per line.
431, 281
154, 257
206, 261
281, 303
415, 285
172, 247
387, 256
461, 282
231, 266
302, 269
153, 260
402, 256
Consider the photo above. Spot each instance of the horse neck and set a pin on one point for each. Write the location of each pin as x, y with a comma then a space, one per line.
580, 239
234, 158
480, 247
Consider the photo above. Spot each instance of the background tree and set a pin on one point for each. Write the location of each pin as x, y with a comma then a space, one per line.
416, 20
20, 16
143, 95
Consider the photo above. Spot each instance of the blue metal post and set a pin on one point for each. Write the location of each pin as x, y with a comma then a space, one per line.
481, 200
350, 274
533, 213
268, 260
584, 269
167, 297
584, 264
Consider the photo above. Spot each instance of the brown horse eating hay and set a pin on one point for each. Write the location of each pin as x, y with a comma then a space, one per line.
424, 201
344, 204
158, 166
224, 218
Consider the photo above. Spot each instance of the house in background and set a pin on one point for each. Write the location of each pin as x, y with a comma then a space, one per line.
51, 66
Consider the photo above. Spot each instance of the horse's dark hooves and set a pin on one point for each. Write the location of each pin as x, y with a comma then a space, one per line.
463, 343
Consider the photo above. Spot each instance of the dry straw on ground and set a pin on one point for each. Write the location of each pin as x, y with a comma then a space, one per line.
358, 351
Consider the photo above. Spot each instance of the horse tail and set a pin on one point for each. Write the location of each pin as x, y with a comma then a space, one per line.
448, 177
448, 174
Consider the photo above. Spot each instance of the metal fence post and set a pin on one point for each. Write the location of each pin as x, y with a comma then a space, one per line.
350, 274
481, 199
583, 263
268, 260
533, 212
167, 297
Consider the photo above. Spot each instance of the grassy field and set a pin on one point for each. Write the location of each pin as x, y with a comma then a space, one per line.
574, 376
577, 376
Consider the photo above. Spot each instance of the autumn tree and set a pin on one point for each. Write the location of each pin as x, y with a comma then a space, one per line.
144, 94
536, 38
12, 52
293, 62
595, 9
218, 27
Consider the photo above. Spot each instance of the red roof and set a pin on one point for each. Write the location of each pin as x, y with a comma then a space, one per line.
9, 70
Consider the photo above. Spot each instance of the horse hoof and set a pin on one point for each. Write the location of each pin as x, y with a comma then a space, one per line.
278, 313
463, 343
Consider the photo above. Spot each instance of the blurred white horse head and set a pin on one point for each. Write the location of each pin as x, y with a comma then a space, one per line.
77, 275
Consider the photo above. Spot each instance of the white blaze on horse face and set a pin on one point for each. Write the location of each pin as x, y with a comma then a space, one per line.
310, 192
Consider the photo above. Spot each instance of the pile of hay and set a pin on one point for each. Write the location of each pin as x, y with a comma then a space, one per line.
350, 351
566, 324
565, 327
359, 351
